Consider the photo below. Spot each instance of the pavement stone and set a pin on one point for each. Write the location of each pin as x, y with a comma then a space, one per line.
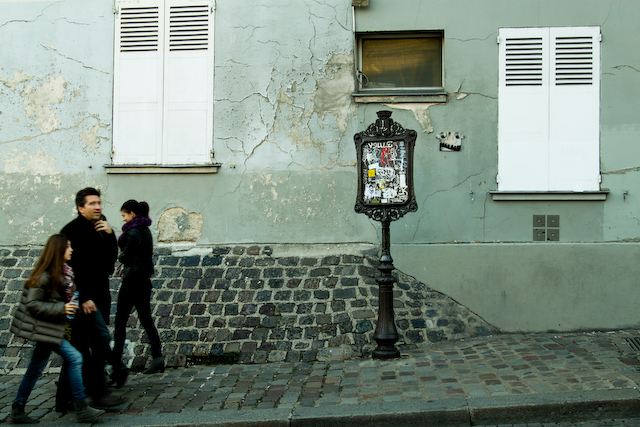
509, 380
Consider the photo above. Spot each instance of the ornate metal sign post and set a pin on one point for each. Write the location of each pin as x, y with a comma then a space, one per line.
385, 194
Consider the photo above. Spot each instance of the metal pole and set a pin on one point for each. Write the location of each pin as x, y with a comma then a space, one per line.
386, 334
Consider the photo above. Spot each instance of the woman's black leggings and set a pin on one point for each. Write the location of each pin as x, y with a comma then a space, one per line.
135, 292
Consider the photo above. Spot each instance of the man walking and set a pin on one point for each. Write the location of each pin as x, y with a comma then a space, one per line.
95, 251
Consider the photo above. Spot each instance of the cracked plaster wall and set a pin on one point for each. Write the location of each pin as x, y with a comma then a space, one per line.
285, 119
55, 111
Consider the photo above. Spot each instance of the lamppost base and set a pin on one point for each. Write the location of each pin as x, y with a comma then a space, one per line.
386, 352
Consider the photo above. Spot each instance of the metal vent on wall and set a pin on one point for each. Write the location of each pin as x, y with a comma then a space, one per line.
546, 228
523, 61
574, 60
139, 29
189, 28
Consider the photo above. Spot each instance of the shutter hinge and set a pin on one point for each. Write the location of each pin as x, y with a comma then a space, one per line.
600, 178
213, 5
498, 179
116, 9
600, 37
498, 39
211, 154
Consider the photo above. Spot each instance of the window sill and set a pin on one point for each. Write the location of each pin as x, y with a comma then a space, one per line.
398, 98
531, 196
162, 169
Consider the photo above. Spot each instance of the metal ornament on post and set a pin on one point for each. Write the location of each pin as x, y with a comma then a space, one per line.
385, 194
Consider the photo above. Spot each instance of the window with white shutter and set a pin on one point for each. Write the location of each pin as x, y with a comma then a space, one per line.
163, 82
549, 109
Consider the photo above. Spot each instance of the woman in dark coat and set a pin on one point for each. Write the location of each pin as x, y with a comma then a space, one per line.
42, 316
136, 251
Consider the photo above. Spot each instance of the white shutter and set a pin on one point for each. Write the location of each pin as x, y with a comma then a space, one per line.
574, 129
523, 109
188, 85
549, 109
138, 75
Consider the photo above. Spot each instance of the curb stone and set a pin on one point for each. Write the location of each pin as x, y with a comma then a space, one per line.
483, 411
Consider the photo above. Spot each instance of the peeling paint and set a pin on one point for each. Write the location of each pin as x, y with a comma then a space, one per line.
39, 99
333, 93
39, 163
18, 77
176, 225
420, 112
91, 138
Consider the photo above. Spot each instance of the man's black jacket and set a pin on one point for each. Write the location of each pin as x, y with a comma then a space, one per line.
93, 260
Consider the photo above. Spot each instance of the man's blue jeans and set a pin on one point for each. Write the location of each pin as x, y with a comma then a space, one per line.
72, 358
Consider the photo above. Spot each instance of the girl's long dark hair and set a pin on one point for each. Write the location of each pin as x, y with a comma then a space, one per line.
141, 209
51, 261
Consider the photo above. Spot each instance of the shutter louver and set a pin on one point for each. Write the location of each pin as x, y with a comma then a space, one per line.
523, 61
139, 29
189, 27
574, 60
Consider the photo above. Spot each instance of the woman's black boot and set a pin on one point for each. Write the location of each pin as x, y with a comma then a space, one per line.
157, 365
19, 417
85, 413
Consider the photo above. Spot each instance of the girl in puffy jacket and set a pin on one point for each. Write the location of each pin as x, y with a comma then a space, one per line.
42, 316
136, 251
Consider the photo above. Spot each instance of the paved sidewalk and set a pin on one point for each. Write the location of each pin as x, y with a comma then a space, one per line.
501, 379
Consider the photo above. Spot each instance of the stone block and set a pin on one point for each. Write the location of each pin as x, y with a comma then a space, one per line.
277, 356
330, 260
215, 309
275, 283
168, 260
277, 334
265, 262
289, 261
344, 293
282, 296
209, 261
187, 335
213, 273
363, 314
260, 334
197, 309
192, 273
246, 262
270, 322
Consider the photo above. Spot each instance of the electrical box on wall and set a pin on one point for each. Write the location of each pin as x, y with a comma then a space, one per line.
360, 3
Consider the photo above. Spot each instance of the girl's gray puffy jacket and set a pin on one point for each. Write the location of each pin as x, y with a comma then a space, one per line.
40, 316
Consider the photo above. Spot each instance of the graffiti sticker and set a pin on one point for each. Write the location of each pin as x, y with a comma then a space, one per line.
385, 172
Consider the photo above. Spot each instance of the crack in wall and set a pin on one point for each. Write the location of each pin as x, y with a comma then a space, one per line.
73, 59
621, 171
424, 201
618, 67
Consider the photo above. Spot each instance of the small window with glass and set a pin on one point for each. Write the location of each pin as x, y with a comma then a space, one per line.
408, 62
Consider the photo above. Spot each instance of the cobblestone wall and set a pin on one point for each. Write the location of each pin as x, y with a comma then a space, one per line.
244, 300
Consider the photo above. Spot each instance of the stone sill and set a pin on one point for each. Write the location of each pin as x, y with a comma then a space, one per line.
530, 196
162, 169
398, 98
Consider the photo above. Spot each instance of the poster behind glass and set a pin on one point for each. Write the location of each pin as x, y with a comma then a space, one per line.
385, 172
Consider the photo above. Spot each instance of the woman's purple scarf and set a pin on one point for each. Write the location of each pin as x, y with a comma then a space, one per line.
135, 222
